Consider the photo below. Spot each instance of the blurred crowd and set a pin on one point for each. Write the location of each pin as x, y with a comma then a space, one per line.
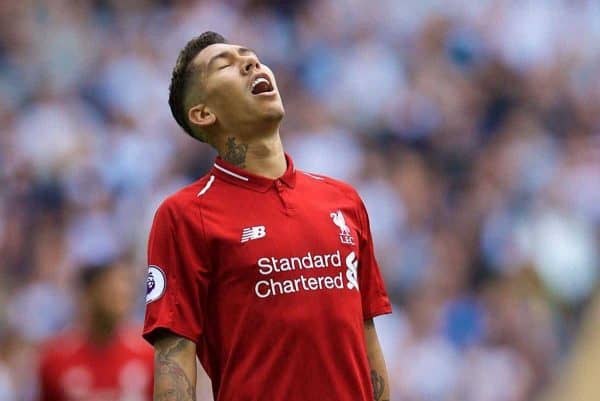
470, 128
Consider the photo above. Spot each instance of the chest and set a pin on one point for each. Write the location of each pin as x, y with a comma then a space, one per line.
280, 227
284, 243
283, 263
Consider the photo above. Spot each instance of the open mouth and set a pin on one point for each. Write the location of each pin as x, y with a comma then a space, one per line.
261, 84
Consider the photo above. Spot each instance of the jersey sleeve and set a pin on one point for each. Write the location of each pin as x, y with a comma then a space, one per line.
178, 276
374, 297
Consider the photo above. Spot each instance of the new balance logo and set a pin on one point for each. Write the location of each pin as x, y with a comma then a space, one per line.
255, 232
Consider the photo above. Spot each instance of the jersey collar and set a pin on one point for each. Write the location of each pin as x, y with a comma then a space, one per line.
243, 178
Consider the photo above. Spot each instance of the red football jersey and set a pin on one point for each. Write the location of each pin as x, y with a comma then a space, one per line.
74, 369
272, 279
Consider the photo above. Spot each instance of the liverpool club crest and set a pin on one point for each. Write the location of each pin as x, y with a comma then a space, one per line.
340, 221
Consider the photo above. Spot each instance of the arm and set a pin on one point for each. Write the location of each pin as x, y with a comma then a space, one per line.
379, 375
174, 368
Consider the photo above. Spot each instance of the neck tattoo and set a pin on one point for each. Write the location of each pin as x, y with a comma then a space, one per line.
235, 153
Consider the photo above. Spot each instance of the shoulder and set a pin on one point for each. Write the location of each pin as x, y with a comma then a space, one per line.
325, 183
178, 202
61, 345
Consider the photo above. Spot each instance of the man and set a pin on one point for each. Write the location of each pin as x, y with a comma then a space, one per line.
265, 272
103, 358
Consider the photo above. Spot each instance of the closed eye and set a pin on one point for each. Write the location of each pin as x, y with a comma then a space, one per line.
224, 66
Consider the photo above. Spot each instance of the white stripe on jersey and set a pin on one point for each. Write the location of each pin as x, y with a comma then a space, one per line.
313, 176
231, 173
207, 186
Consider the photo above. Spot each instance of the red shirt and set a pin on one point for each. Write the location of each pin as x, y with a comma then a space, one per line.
272, 279
74, 369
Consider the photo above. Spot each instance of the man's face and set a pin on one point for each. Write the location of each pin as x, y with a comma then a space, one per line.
236, 87
111, 296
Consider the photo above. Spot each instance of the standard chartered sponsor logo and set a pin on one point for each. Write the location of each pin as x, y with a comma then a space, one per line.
352, 273
271, 287
271, 266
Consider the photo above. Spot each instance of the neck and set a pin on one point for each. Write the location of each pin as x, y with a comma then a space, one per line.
262, 156
101, 330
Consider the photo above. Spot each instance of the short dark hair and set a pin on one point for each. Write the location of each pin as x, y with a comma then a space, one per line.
91, 273
182, 74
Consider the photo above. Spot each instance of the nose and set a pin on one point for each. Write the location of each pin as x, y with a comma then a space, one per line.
249, 63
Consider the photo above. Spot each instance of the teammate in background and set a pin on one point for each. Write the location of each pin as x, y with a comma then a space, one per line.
102, 358
266, 273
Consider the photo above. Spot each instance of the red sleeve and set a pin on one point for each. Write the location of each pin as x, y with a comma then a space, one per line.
178, 276
374, 298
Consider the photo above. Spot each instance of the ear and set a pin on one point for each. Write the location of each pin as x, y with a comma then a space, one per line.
202, 116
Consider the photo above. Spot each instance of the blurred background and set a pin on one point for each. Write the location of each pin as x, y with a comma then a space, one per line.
470, 128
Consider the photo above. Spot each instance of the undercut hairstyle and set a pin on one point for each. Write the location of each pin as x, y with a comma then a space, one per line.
183, 74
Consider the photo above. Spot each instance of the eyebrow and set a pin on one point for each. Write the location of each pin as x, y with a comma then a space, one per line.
227, 53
